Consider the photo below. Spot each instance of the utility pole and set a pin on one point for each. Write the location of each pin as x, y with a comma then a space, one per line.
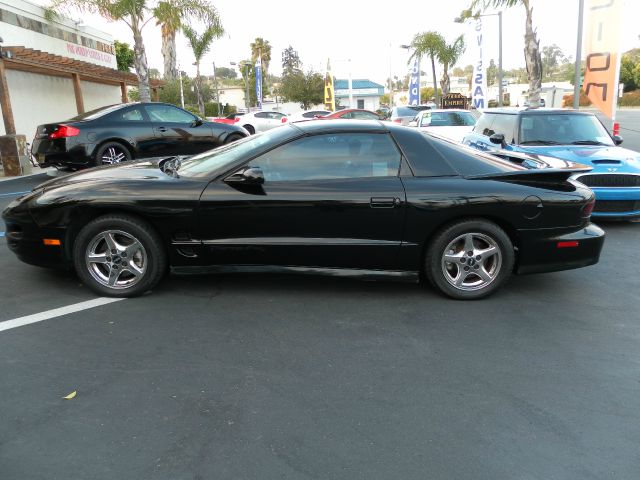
500, 58
578, 65
215, 83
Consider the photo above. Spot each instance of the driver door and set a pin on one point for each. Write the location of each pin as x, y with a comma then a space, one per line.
179, 132
331, 201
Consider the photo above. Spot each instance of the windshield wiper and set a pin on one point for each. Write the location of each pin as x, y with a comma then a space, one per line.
588, 142
539, 142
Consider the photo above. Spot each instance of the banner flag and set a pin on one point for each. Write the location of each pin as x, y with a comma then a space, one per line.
258, 69
414, 83
479, 83
602, 49
329, 98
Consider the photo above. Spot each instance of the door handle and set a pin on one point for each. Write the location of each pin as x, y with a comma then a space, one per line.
162, 129
384, 202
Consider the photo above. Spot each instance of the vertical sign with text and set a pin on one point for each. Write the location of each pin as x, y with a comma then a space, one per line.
329, 98
258, 70
479, 81
602, 49
414, 83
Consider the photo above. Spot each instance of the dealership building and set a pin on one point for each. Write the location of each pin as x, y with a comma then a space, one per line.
50, 71
366, 94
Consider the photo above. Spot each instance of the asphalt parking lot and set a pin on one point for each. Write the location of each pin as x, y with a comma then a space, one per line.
292, 377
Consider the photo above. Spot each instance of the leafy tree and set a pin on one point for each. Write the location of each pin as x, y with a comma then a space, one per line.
133, 13
552, 58
200, 44
261, 48
172, 15
290, 61
226, 73
124, 56
629, 73
532, 55
428, 93
428, 44
449, 54
306, 88
154, 73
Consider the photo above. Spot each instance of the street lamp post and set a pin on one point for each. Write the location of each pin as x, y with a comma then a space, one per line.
576, 72
499, 15
215, 85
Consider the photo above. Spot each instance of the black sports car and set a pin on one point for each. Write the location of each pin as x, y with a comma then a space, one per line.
117, 133
334, 197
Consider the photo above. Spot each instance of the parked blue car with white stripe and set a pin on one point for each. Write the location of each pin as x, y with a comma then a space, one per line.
572, 136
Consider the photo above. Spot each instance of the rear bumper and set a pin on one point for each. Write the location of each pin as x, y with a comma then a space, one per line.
616, 203
547, 251
63, 152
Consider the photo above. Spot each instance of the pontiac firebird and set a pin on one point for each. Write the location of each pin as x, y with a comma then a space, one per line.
367, 199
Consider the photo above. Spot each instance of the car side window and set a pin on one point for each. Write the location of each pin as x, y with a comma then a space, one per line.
129, 115
168, 113
262, 115
365, 116
347, 115
505, 124
331, 156
483, 126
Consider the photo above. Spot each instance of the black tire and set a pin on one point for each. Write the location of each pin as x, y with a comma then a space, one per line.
111, 153
250, 129
136, 268
469, 276
234, 137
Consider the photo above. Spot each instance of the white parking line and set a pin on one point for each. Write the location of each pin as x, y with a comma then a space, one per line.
56, 312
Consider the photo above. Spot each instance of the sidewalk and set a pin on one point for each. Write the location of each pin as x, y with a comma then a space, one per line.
50, 172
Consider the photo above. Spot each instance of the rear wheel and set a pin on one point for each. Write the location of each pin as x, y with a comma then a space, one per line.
469, 259
234, 137
119, 256
250, 129
112, 152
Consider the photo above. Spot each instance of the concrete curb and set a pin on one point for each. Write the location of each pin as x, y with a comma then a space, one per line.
37, 171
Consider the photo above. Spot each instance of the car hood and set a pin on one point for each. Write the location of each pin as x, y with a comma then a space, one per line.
141, 170
601, 158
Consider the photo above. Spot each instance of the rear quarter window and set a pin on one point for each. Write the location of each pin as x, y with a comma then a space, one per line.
425, 161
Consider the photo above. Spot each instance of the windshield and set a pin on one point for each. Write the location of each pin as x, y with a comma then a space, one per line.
209, 162
562, 129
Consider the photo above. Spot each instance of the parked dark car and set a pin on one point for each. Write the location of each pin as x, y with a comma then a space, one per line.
339, 197
122, 132
352, 114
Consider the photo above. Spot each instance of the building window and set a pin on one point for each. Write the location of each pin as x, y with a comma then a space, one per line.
361, 103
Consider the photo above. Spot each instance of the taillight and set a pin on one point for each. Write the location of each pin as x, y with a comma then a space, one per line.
397, 120
64, 131
587, 210
284, 119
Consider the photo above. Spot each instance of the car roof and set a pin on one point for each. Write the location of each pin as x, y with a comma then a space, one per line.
535, 111
421, 112
312, 127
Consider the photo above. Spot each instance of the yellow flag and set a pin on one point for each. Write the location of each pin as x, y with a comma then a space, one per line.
602, 49
329, 99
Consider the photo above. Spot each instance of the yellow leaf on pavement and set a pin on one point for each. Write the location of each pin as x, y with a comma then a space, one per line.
71, 395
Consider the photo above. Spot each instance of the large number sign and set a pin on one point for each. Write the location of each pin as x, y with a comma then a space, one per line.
602, 48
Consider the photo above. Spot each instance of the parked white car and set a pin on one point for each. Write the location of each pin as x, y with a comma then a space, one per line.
256, 122
450, 123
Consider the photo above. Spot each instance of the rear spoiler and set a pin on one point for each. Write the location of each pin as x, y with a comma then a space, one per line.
543, 175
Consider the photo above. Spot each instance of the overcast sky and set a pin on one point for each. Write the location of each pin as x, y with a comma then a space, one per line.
367, 32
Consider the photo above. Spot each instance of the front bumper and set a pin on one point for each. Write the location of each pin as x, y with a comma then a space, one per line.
616, 203
551, 251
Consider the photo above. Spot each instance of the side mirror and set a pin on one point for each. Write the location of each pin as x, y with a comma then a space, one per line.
617, 139
246, 176
197, 122
498, 139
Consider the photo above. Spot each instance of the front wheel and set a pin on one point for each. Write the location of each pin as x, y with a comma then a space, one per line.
469, 259
119, 256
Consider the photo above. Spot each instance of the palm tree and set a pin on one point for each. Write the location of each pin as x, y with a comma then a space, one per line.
428, 44
171, 15
532, 57
260, 47
200, 44
448, 55
133, 13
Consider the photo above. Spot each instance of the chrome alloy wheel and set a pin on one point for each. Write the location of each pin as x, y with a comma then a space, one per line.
471, 261
116, 259
113, 155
